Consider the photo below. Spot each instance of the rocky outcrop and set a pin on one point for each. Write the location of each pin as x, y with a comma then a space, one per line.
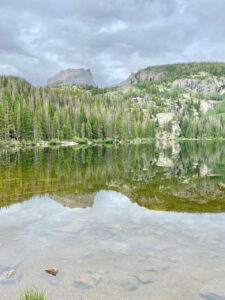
129, 80
163, 121
204, 78
203, 86
72, 76
164, 118
143, 75
207, 105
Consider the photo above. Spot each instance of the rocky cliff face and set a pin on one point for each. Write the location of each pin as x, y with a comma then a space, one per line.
72, 76
143, 75
201, 78
203, 86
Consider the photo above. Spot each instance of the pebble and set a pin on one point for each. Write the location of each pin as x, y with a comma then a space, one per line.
53, 271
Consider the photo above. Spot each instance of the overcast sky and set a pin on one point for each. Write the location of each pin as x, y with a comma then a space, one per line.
113, 38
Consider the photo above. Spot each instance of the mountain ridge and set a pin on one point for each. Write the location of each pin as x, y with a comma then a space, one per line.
193, 76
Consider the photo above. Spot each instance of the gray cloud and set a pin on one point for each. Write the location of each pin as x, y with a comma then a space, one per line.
113, 37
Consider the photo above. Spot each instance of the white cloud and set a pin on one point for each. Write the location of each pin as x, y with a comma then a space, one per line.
113, 27
113, 37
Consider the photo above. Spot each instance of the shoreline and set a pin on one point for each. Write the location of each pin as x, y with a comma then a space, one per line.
24, 144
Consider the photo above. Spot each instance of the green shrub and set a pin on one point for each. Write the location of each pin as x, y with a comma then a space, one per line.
3, 143
98, 141
23, 142
30, 143
108, 141
54, 142
80, 140
13, 142
33, 294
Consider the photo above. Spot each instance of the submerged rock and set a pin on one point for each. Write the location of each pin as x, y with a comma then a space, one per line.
7, 275
87, 280
130, 284
53, 271
146, 276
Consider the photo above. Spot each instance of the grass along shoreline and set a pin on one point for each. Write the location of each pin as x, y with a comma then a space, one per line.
33, 294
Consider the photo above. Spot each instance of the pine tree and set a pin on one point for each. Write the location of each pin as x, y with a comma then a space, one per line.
88, 130
55, 127
83, 130
2, 122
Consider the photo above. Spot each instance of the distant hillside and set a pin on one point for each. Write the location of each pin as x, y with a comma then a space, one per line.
72, 76
203, 77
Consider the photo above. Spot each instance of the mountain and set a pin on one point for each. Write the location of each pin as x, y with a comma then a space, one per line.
72, 76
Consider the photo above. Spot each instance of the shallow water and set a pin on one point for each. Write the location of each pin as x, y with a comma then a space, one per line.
160, 236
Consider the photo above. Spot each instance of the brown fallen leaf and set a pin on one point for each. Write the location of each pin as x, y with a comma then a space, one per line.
53, 271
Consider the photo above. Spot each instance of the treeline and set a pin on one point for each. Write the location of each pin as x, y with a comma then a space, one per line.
64, 113
185, 70
205, 127
80, 112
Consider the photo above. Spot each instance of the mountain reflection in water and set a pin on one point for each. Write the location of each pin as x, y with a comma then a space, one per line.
185, 177
128, 251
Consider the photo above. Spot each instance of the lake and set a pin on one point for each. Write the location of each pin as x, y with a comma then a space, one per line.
126, 221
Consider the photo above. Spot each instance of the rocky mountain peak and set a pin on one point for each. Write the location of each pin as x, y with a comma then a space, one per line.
72, 76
